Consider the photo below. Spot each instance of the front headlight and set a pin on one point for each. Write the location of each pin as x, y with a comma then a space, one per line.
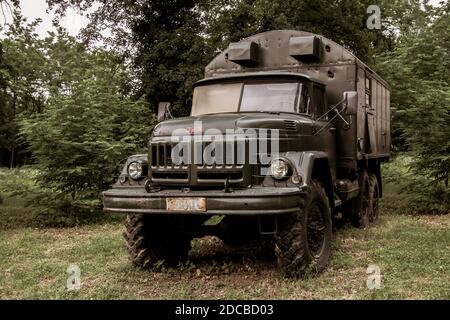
135, 170
279, 169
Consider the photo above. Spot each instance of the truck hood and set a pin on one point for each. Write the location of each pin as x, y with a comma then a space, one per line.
189, 125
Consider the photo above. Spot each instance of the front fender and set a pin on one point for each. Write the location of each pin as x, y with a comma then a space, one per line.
304, 163
313, 164
124, 172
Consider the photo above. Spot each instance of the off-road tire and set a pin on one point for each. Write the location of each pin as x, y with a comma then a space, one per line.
151, 239
297, 237
374, 198
361, 211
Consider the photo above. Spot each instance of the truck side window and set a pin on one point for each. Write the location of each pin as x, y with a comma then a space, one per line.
305, 100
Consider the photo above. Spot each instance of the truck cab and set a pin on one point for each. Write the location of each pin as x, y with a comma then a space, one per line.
280, 140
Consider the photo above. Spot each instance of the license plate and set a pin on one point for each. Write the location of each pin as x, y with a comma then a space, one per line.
186, 204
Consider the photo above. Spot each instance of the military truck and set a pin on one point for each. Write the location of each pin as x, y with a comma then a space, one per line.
329, 114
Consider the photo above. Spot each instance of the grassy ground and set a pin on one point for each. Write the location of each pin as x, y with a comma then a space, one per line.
411, 251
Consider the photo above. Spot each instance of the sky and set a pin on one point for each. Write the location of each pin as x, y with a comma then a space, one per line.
32, 9
73, 21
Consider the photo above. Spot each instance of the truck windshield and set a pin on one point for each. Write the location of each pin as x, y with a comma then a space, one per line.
272, 97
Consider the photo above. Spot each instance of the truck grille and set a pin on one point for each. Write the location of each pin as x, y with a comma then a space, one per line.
163, 171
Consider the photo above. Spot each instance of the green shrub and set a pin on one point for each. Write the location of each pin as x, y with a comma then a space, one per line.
28, 204
407, 191
417, 70
89, 124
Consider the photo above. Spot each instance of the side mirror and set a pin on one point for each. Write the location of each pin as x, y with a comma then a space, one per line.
163, 111
350, 102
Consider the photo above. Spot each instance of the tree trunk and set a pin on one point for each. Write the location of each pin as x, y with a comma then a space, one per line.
13, 149
12, 158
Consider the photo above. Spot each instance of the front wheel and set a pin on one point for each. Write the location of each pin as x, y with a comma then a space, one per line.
152, 239
303, 240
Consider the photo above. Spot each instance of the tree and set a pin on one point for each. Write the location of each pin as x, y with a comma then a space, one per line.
22, 66
418, 70
73, 107
171, 51
170, 42
90, 121
342, 21
7, 7
165, 45
162, 39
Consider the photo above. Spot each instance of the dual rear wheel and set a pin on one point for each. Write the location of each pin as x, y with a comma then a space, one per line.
365, 208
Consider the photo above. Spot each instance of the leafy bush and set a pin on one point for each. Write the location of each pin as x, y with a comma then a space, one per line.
417, 70
89, 124
28, 204
77, 146
407, 191
79, 139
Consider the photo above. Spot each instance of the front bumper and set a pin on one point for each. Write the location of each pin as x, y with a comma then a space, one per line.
254, 201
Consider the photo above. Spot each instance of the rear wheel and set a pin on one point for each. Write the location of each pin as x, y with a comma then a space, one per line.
303, 240
362, 205
151, 239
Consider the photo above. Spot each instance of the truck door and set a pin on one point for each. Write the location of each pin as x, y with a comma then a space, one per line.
371, 117
326, 139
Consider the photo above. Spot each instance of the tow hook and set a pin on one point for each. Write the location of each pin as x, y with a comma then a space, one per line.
149, 187
226, 185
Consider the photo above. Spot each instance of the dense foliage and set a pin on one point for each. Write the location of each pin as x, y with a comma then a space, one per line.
170, 41
22, 71
418, 70
82, 134
74, 108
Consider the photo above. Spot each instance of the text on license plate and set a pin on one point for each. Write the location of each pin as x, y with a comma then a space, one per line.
186, 204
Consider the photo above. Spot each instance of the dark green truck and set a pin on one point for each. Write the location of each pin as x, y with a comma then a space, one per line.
287, 133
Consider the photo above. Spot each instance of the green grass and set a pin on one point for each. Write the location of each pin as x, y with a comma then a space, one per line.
24, 203
412, 252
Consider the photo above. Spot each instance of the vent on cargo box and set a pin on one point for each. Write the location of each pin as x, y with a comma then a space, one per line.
243, 53
305, 49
